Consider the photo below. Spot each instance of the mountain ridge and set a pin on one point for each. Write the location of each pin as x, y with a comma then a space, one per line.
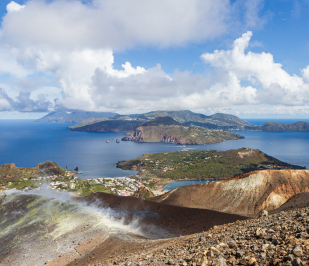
185, 117
73, 117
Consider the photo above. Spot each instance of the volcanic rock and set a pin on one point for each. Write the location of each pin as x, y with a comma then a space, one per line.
247, 194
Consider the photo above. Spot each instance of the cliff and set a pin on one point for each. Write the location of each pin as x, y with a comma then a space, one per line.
246, 194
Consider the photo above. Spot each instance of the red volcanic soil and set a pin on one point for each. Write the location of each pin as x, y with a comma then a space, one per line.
181, 220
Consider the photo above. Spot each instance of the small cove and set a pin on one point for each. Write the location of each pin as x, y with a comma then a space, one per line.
176, 184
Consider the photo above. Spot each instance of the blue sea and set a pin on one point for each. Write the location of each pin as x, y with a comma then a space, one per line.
27, 143
176, 184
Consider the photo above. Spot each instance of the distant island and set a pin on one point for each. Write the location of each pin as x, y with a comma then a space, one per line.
73, 117
124, 123
113, 122
166, 129
274, 126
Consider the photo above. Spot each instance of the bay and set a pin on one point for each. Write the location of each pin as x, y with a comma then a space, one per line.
27, 143
176, 184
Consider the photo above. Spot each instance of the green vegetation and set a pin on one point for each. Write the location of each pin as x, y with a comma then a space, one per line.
164, 120
106, 125
208, 164
59, 179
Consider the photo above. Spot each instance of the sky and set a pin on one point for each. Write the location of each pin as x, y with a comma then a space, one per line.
249, 58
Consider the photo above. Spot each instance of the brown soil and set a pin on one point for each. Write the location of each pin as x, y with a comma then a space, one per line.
246, 194
111, 248
181, 220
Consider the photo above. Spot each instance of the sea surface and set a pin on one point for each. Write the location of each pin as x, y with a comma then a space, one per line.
176, 184
27, 143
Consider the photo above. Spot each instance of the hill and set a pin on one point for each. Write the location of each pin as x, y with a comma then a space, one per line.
12, 177
186, 118
207, 164
178, 134
274, 126
246, 194
72, 117
231, 119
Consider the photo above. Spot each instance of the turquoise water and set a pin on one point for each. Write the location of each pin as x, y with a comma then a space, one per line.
177, 184
27, 143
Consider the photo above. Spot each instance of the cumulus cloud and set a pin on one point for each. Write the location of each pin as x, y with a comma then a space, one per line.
107, 88
9, 63
273, 84
88, 81
24, 103
6, 103
14, 7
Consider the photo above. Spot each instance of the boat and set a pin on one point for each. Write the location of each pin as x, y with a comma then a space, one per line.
117, 140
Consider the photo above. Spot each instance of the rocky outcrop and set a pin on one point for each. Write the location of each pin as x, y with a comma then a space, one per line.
143, 193
280, 239
136, 136
246, 194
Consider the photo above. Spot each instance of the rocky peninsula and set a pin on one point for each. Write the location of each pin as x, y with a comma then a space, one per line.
207, 164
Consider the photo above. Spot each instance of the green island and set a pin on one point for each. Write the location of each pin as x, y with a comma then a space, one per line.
206, 164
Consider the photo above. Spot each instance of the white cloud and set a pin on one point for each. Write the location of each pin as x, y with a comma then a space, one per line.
114, 24
108, 88
87, 80
73, 43
9, 63
14, 7
4, 104
274, 85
